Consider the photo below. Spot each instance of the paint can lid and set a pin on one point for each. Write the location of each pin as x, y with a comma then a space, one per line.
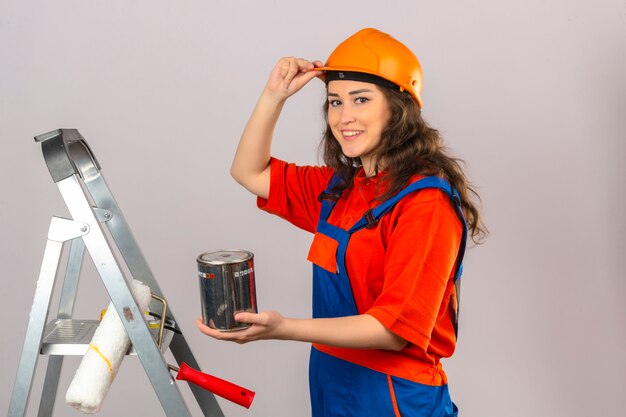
222, 257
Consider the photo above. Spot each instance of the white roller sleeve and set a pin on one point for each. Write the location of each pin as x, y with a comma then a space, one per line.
103, 358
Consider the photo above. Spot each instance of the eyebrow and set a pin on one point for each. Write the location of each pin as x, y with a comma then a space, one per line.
363, 90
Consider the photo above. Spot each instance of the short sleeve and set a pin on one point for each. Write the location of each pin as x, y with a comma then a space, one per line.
423, 244
294, 192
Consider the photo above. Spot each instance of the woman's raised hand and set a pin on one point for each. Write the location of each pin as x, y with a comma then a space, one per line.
291, 74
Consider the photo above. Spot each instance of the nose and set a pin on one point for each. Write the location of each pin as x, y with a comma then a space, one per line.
347, 114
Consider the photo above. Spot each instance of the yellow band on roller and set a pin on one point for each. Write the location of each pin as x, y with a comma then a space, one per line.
104, 358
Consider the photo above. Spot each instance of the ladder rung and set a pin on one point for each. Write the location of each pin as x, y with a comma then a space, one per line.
72, 337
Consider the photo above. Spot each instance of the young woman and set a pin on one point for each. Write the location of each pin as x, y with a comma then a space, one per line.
390, 212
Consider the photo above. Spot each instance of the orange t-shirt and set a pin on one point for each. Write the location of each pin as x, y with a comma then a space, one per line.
401, 271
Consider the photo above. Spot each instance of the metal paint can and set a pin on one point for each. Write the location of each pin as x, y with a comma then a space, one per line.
227, 287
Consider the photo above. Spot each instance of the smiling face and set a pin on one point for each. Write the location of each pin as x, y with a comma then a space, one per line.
357, 114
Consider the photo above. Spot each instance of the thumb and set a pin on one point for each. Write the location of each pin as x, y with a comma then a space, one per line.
245, 317
309, 75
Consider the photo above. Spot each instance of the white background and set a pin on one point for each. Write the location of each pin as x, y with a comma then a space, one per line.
531, 94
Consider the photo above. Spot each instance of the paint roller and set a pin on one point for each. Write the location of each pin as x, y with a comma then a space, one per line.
108, 347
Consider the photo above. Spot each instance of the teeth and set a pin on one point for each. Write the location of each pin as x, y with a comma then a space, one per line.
351, 133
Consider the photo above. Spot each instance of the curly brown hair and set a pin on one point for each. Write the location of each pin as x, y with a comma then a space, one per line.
408, 146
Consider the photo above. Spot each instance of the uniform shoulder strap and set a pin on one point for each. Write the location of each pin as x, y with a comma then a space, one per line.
372, 216
328, 193
328, 197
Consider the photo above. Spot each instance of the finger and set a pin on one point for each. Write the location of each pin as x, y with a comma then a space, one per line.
309, 69
284, 66
292, 71
237, 337
307, 66
206, 329
245, 317
304, 65
308, 76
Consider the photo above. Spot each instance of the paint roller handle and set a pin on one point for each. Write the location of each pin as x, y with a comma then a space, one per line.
217, 386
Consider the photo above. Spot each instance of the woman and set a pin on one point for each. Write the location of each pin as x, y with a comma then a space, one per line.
390, 213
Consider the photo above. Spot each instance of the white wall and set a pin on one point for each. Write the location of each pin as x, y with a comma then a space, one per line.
531, 94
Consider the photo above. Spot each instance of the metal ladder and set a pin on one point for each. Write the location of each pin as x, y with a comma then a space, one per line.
76, 172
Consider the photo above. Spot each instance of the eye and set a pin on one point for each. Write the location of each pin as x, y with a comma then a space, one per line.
334, 103
361, 100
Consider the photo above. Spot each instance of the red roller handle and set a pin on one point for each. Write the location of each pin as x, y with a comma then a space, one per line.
217, 386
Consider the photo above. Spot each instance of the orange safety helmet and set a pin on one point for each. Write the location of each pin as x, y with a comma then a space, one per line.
371, 51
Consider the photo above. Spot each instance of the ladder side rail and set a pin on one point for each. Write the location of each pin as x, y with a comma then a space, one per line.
59, 232
137, 265
66, 307
50, 386
131, 317
123, 237
120, 231
205, 399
